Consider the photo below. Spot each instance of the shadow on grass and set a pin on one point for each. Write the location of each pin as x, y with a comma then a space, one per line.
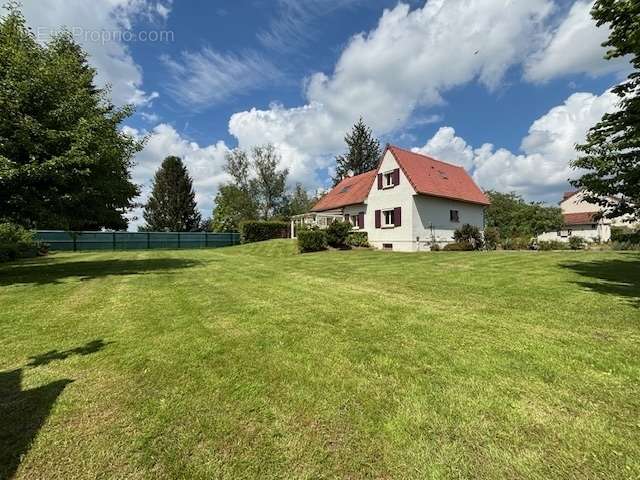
48, 357
612, 277
52, 272
24, 412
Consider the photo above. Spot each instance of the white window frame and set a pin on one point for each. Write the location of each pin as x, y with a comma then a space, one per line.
383, 222
353, 219
388, 175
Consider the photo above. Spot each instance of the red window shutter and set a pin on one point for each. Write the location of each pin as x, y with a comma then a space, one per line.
397, 216
396, 176
378, 222
361, 220
379, 181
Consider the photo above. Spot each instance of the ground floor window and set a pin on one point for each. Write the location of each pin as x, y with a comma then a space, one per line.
387, 246
388, 218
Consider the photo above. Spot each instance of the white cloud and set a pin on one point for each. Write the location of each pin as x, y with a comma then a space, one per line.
574, 47
206, 77
292, 27
92, 21
205, 164
408, 61
541, 171
446, 146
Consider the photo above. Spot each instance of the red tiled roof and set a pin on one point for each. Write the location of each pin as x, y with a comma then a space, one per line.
581, 218
436, 178
350, 191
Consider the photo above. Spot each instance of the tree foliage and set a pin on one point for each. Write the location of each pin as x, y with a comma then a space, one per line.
64, 162
469, 235
298, 202
513, 217
363, 152
257, 189
611, 153
172, 204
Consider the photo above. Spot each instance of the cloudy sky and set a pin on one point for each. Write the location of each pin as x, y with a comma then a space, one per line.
505, 88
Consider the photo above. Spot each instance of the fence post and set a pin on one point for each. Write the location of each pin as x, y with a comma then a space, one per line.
206, 239
75, 245
113, 241
148, 240
179, 240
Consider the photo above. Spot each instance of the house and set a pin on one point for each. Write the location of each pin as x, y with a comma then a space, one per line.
408, 203
581, 218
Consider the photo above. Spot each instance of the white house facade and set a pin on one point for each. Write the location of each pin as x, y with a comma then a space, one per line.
408, 203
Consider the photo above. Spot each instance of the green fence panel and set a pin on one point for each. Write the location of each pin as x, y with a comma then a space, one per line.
81, 241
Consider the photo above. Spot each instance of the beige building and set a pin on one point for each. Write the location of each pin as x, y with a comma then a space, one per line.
581, 219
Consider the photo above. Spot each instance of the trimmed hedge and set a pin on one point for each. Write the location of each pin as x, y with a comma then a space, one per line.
358, 239
312, 240
547, 245
458, 247
258, 231
18, 242
516, 243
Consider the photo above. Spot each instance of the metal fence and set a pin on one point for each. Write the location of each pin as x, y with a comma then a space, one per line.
81, 241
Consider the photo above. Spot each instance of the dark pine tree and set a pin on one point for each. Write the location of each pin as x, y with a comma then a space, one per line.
172, 204
362, 155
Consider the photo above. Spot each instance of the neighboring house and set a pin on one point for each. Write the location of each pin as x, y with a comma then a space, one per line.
408, 203
581, 220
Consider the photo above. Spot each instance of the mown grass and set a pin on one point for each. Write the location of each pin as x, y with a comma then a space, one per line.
256, 362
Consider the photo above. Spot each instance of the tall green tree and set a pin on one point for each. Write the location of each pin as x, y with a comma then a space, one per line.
514, 217
269, 183
172, 203
64, 161
363, 152
299, 201
611, 153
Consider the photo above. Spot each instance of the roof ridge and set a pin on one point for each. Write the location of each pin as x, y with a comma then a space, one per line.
428, 157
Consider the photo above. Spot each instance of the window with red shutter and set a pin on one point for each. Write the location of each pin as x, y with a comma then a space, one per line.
361, 220
396, 177
379, 181
378, 220
397, 216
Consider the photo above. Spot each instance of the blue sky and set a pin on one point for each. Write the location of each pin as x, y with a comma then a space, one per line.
502, 87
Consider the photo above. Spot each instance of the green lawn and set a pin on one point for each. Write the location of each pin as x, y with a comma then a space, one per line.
256, 362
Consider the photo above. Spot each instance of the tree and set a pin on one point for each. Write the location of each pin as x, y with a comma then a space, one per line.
611, 153
269, 183
513, 217
233, 205
298, 202
172, 204
362, 155
64, 161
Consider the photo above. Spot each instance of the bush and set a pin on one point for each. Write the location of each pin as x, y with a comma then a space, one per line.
435, 247
576, 243
547, 245
458, 247
337, 234
469, 235
625, 246
358, 239
491, 238
258, 231
516, 243
625, 235
312, 240
18, 242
